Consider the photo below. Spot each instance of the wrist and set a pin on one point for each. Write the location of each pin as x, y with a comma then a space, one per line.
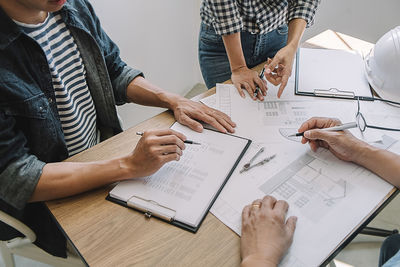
168, 100
292, 46
238, 68
362, 152
126, 167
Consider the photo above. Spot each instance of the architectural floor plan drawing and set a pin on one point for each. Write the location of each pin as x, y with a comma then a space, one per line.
331, 198
308, 186
326, 194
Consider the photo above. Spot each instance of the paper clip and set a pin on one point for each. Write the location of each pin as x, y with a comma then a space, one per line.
151, 208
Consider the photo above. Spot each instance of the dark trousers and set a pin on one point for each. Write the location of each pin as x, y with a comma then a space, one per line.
389, 248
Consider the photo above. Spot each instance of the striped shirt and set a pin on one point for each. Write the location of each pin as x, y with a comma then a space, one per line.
255, 16
74, 102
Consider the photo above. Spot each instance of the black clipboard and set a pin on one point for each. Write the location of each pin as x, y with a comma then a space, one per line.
169, 219
326, 93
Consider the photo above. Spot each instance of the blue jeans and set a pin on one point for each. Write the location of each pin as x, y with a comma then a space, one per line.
214, 63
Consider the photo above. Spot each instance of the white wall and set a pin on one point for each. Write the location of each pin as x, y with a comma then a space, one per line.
364, 19
158, 37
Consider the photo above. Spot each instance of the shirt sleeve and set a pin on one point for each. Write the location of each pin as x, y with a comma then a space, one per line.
120, 73
303, 9
19, 171
226, 16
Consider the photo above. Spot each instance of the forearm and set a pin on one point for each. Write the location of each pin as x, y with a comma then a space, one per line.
64, 179
141, 91
382, 162
296, 30
233, 47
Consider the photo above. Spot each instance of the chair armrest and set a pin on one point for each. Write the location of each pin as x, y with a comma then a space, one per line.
17, 225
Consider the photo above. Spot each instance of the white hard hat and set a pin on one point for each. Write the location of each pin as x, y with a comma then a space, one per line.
382, 66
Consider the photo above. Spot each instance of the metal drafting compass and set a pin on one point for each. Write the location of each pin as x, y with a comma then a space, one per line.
249, 165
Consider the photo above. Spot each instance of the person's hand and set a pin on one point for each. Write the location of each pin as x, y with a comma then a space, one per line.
266, 234
279, 69
187, 112
341, 143
154, 149
248, 79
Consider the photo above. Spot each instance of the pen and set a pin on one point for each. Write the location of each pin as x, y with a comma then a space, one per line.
186, 141
261, 77
334, 128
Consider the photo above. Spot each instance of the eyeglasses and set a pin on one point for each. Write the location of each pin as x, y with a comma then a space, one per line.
362, 123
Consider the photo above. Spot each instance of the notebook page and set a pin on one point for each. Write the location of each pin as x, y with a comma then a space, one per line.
189, 185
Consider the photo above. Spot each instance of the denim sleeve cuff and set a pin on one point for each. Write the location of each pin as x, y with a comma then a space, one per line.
18, 181
304, 9
120, 84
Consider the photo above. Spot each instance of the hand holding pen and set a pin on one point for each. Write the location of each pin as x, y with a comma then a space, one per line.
153, 150
331, 134
248, 80
340, 127
258, 90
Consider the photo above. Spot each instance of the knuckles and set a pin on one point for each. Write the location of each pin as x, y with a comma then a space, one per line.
148, 141
336, 121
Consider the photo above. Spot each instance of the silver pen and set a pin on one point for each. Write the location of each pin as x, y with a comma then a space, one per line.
342, 127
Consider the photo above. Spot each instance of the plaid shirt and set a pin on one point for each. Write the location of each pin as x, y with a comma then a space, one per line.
255, 16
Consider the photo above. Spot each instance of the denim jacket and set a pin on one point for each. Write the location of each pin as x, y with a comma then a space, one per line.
30, 129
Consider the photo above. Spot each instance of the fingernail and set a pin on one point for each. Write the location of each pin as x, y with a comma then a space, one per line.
268, 71
307, 134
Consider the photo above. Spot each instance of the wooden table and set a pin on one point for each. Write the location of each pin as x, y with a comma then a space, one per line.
107, 234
